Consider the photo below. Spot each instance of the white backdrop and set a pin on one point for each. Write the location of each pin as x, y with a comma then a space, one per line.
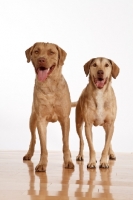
84, 29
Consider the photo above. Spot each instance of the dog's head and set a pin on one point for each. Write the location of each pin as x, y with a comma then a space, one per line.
45, 58
101, 70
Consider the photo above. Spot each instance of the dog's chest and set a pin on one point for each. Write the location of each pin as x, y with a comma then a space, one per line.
100, 110
50, 102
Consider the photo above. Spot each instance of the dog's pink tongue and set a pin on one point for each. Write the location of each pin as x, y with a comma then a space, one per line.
42, 75
100, 84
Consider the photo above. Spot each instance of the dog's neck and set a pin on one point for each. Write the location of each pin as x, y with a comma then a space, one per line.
50, 85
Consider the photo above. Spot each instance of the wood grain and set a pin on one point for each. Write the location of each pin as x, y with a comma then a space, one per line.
19, 181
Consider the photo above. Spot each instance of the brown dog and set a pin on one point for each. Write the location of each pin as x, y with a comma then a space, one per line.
51, 99
97, 106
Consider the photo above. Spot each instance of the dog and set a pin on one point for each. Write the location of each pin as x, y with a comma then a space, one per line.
97, 106
51, 100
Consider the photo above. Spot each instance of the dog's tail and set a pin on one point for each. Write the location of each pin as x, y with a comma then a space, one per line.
73, 104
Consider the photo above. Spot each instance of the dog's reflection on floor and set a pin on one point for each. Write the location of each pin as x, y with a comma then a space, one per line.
94, 183
81, 182
36, 187
48, 185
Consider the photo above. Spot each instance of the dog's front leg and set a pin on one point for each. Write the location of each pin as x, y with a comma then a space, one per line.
65, 125
41, 126
92, 155
109, 129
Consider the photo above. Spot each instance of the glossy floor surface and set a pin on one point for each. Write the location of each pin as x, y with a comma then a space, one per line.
18, 180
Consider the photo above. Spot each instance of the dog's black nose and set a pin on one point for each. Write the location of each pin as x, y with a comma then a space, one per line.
100, 72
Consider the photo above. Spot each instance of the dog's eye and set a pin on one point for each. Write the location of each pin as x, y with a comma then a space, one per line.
94, 65
51, 52
106, 65
36, 52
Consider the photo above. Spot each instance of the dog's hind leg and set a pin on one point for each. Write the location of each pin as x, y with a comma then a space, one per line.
111, 153
109, 129
79, 128
32, 125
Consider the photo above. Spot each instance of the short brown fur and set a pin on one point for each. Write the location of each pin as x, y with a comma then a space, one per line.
51, 100
97, 106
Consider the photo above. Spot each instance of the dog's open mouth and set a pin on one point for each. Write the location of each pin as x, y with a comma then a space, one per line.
43, 72
100, 82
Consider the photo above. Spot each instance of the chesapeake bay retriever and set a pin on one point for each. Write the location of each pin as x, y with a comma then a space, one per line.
97, 106
51, 100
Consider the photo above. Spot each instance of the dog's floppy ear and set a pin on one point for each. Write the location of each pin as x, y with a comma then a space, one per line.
87, 66
61, 55
28, 53
115, 69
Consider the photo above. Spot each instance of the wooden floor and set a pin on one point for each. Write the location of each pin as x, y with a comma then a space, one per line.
18, 180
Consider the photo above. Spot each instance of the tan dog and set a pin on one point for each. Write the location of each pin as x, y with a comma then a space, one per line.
97, 106
51, 99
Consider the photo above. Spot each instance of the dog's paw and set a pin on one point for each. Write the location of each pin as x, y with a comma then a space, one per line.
27, 157
79, 158
69, 165
40, 168
112, 157
91, 165
104, 165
